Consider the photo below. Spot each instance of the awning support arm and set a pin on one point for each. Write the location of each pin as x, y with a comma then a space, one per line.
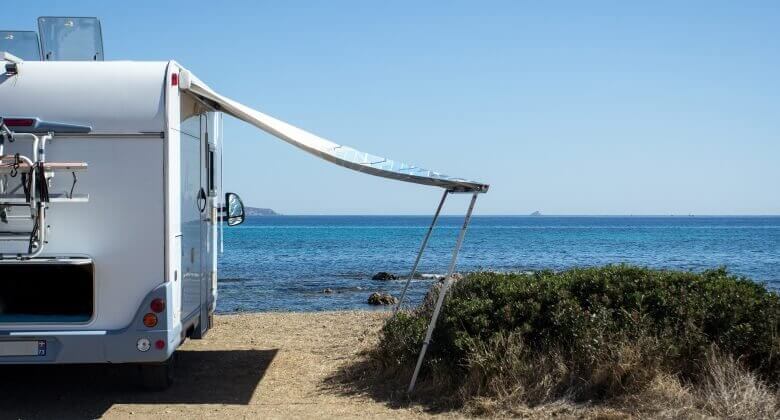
443, 292
422, 249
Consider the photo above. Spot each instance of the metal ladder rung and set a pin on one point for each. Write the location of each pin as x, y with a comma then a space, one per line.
6, 166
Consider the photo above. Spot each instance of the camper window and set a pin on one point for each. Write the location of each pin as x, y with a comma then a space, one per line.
212, 182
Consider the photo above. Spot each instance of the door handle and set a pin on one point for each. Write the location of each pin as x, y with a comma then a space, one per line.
202, 197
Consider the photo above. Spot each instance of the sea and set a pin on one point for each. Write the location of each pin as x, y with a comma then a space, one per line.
324, 263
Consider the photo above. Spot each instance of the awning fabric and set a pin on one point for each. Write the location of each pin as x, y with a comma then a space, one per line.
326, 149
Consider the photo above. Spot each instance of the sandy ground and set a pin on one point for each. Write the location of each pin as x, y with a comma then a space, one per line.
270, 365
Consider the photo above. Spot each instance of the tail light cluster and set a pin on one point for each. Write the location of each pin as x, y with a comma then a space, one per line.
157, 306
150, 320
143, 344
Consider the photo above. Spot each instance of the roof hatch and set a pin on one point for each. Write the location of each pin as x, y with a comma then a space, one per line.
71, 38
22, 44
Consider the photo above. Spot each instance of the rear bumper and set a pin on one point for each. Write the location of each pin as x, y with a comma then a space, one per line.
90, 346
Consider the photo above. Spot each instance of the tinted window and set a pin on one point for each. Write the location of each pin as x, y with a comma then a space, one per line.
212, 187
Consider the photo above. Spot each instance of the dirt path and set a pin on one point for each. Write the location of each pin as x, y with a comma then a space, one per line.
268, 365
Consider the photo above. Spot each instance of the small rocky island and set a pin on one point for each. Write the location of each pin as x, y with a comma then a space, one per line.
257, 211
536, 213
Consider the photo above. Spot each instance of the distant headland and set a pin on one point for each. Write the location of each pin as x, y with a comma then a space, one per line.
257, 211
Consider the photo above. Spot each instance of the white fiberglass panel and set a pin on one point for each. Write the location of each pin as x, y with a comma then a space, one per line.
122, 227
109, 96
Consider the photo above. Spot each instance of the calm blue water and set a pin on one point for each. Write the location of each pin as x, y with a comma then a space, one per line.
285, 262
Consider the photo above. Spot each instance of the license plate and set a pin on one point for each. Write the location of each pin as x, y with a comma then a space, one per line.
23, 348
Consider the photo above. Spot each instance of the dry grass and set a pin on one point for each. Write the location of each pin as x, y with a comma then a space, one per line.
729, 390
726, 390
503, 382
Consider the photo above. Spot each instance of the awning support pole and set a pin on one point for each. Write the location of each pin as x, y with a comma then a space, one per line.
422, 249
442, 293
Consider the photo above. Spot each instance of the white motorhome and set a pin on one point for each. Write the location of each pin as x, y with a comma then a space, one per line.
111, 199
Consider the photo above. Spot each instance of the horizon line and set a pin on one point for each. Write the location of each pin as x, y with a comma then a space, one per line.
523, 215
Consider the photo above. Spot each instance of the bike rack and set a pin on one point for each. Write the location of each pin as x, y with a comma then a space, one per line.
34, 177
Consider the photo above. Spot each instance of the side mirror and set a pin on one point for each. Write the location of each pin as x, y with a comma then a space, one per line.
235, 209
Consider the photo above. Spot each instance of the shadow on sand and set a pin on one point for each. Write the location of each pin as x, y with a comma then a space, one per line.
361, 378
88, 391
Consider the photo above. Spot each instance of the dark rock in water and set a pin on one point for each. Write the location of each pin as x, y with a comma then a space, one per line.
382, 299
536, 213
327, 291
382, 275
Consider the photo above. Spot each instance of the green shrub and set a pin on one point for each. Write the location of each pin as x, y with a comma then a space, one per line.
588, 333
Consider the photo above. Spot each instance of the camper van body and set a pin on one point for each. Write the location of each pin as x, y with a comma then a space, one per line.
142, 223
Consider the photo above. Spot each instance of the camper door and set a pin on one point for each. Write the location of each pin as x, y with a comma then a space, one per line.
194, 202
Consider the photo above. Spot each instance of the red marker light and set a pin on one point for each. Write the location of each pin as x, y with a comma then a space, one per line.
159, 344
19, 122
158, 305
174, 79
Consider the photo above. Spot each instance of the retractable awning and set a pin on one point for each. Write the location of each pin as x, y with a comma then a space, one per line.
326, 149
361, 162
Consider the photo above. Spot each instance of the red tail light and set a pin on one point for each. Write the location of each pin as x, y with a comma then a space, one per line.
159, 344
19, 122
158, 305
174, 79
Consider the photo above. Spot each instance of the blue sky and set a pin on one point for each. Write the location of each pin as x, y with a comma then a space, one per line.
602, 107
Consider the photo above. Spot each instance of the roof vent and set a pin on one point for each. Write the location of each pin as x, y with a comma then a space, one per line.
71, 38
22, 44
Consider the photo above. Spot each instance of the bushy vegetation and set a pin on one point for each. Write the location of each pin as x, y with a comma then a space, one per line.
592, 334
